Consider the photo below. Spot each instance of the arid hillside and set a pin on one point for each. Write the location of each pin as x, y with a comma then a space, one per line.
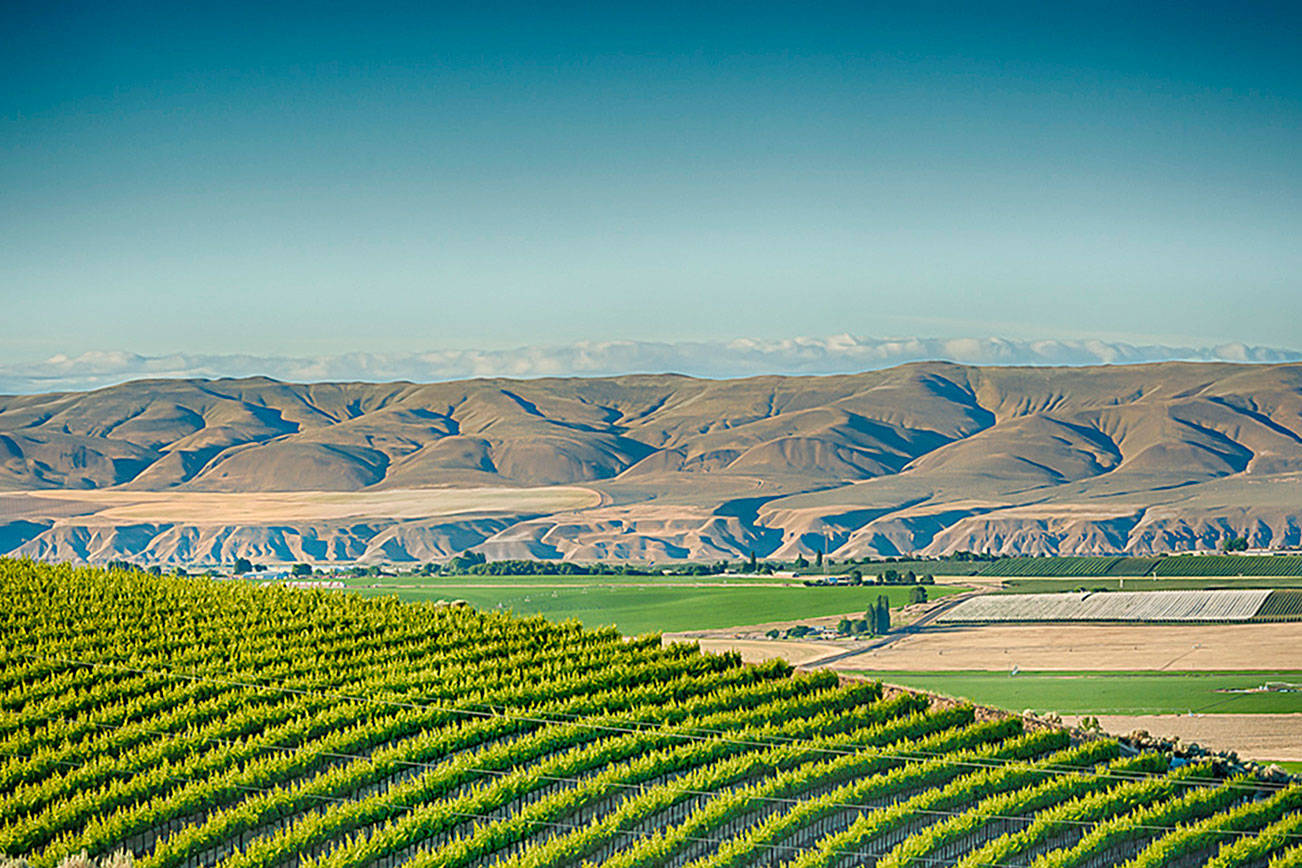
924, 458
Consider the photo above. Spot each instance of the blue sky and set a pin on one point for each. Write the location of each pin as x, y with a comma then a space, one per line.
327, 178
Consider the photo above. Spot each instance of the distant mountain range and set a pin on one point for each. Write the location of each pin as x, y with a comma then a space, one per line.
923, 458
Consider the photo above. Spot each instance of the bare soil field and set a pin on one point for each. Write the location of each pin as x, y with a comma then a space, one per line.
1069, 647
264, 507
1253, 736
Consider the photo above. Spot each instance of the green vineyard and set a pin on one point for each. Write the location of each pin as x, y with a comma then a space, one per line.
1230, 565
1113, 566
201, 723
1067, 567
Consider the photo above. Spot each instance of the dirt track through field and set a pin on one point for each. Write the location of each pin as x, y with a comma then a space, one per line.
1199, 647
1252, 736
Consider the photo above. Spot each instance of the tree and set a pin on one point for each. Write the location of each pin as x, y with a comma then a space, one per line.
844, 627
1231, 543
753, 562
243, 565
910, 578
856, 577
301, 570
465, 561
881, 614
801, 563
818, 559
918, 594
928, 579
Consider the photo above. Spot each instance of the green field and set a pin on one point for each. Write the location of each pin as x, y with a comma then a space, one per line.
1110, 692
635, 607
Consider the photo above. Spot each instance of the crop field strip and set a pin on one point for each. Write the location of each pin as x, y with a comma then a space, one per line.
1205, 566
201, 724
1119, 692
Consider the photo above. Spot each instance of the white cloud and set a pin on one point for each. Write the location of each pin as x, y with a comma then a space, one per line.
741, 357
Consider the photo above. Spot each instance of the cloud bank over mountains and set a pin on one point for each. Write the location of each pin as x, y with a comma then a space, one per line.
741, 357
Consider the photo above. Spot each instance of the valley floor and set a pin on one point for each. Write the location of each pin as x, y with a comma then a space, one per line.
1175, 681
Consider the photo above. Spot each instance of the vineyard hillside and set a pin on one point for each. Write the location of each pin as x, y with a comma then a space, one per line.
198, 723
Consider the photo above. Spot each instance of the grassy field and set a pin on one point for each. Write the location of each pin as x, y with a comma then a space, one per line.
644, 607
1111, 692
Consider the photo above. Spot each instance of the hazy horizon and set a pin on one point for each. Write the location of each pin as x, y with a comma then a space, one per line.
724, 359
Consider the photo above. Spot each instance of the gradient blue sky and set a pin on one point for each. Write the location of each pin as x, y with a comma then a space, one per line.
301, 178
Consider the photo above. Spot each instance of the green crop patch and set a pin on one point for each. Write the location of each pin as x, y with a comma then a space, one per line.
1197, 566
635, 608
1094, 692
1230, 565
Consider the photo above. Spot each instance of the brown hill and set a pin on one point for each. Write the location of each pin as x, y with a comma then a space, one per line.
927, 458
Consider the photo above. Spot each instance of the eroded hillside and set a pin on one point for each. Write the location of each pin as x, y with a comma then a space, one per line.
921, 458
